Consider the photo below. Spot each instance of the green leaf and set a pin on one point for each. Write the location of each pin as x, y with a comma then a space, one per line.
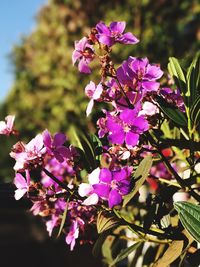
177, 74
193, 79
107, 249
98, 244
195, 111
190, 217
106, 221
124, 253
97, 144
85, 144
171, 112
63, 219
174, 251
140, 175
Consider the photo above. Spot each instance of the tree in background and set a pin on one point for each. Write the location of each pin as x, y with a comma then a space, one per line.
48, 93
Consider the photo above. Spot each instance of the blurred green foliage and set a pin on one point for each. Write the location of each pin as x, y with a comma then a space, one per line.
48, 91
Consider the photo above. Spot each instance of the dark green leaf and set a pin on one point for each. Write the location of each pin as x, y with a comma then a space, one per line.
193, 79
85, 144
195, 111
172, 112
106, 221
124, 253
98, 244
140, 175
177, 74
190, 217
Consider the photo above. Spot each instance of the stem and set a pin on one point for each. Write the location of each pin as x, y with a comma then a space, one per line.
140, 229
180, 181
123, 92
149, 231
146, 239
61, 184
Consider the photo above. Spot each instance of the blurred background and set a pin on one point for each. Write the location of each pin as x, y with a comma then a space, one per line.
42, 88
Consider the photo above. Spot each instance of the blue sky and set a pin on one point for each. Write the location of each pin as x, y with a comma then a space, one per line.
16, 19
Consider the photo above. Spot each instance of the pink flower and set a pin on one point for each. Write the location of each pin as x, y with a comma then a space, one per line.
94, 92
72, 235
22, 184
84, 54
29, 155
148, 109
6, 127
52, 223
87, 189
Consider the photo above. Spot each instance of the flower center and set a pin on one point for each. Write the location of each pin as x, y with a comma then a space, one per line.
140, 74
126, 128
88, 53
114, 184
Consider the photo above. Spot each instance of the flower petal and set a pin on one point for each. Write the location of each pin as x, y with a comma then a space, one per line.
128, 38
75, 56
105, 175
93, 177
117, 137
118, 26
89, 107
59, 139
20, 181
105, 39
83, 67
119, 175
84, 189
102, 190
91, 200
150, 86
10, 121
102, 28
142, 124
128, 116
131, 139
114, 198
19, 193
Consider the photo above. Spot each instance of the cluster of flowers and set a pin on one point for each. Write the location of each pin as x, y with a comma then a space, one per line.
130, 91
51, 196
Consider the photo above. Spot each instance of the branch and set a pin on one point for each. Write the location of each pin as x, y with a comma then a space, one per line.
180, 181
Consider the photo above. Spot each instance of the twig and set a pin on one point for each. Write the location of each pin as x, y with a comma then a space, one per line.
61, 184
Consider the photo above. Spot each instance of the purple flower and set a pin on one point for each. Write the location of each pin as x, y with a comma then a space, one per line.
139, 75
84, 54
55, 145
94, 92
29, 155
160, 171
6, 127
125, 126
108, 185
61, 170
173, 97
114, 34
22, 184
